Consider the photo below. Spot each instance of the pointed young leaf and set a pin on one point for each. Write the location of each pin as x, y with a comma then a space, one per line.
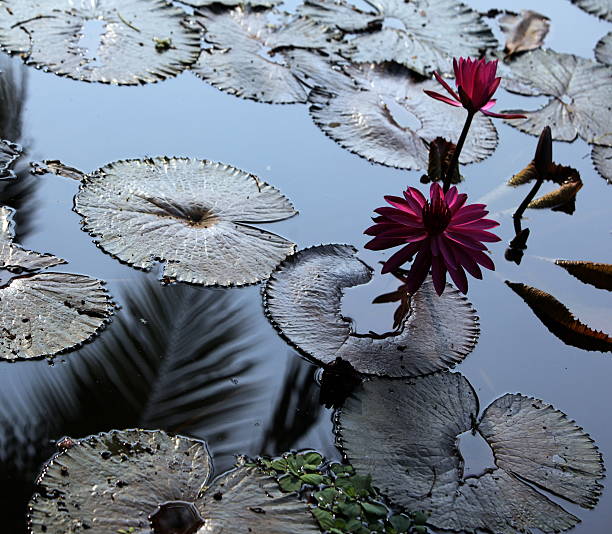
596, 274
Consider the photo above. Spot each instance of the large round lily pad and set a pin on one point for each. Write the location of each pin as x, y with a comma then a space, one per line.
603, 49
580, 91
193, 215
42, 314
404, 432
602, 159
140, 40
425, 36
303, 301
599, 8
363, 113
251, 56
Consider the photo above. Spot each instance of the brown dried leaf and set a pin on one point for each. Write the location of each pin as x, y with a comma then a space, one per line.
560, 321
596, 274
524, 32
561, 199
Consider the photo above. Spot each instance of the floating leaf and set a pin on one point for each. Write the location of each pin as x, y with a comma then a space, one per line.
580, 91
9, 153
524, 32
250, 56
193, 215
596, 274
560, 321
599, 8
363, 114
48, 34
430, 32
602, 159
603, 50
42, 314
230, 3
303, 299
115, 480
405, 433
561, 199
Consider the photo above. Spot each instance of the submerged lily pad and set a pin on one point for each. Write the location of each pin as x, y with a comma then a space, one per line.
9, 154
405, 434
602, 159
42, 314
131, 480
48, 34
599, 8
250, 56
603, 50
303, 301
423, 35
580, 91
364, 113
193, 215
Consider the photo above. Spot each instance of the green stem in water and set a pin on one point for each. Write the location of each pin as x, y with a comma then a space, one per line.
455, 160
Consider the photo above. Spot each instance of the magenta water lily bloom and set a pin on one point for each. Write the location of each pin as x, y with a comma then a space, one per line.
442, 234
476, 83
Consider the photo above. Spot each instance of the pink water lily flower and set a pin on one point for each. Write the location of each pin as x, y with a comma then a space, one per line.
443, 234
476, 84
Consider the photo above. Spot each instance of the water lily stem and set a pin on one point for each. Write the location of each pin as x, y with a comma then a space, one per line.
455, 159
518, 214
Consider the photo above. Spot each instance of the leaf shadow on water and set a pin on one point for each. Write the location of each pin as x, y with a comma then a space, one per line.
177, 358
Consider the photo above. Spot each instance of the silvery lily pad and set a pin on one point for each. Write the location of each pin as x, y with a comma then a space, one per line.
140, 40
602, 159
192, 215
230, 3
603, 50
251, 57
426, 35
303, 301
580, 91
365, 114
599, 8
404, 433
140, 481
42, 314
9, 153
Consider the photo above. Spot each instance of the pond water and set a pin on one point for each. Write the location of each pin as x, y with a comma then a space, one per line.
263, 398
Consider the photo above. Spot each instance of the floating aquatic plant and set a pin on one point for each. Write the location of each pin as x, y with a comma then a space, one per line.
9, 154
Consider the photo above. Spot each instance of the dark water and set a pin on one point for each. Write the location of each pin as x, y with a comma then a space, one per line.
264, 399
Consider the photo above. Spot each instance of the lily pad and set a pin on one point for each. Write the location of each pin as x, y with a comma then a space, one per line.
42, 314
230, 3
602, 159
9, 154
580, 91
524, 32
423, 35
588, 272
112, 482
303, 301
603, 50
364, 114
599, 8
192, 215
405, 434
250, 56
140, 41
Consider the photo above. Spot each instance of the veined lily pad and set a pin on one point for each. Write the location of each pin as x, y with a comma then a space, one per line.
603, 50
42, 314
303, 300
251, 57
132, 480
230, 3
602, 159
193, 215
599, 8
425, 36
580, 91
141, 40
9, 153
364, 115
404, 433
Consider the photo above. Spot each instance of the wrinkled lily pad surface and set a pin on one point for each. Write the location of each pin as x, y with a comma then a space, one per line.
424, 38
230, 3
130, 480
599, 8
303, 301
9, 153
193, 215
602, 159
603, 50
251, 57
363, 112
580, 91
404, 433
141, 40
42, 314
